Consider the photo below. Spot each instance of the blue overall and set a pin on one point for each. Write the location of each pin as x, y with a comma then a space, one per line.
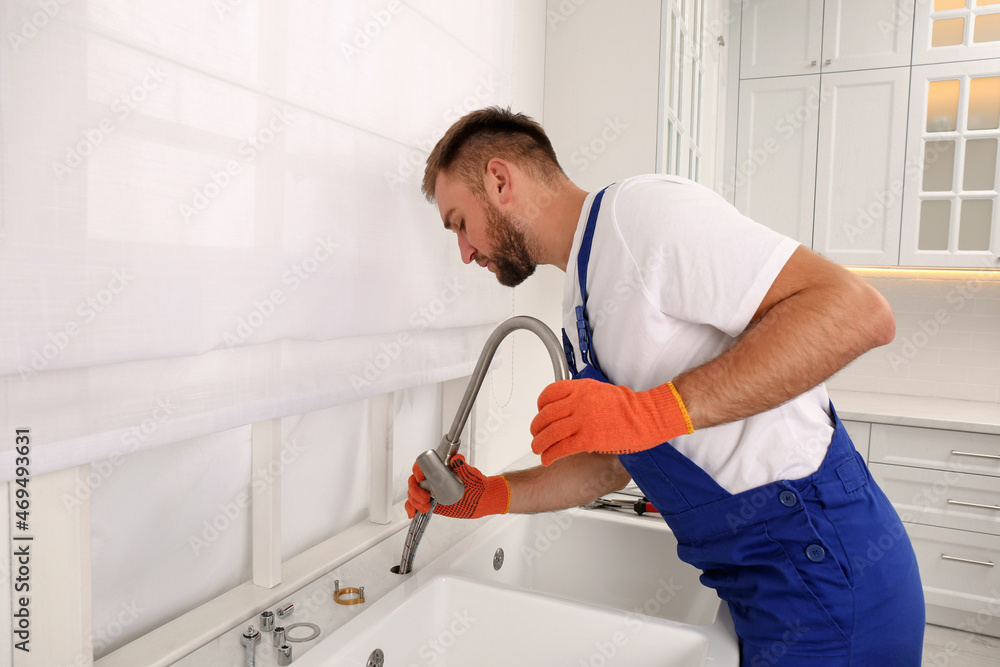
815, 571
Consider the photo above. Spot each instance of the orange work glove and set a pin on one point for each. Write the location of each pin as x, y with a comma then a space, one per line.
593, 416
483, 495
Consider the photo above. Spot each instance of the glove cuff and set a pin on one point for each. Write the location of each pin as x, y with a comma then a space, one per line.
496, 497
670, 408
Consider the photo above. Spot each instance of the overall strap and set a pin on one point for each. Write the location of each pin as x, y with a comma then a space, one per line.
583, 259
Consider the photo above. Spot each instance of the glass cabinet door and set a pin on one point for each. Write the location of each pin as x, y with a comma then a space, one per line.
950, 214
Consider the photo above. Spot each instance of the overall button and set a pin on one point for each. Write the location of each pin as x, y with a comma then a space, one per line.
787, 498
815, 553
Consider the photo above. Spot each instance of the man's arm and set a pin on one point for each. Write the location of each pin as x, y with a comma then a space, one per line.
815, 319
569, 482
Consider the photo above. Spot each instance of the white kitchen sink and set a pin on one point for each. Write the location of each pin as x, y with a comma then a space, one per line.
601, 556
577, 588
453, 620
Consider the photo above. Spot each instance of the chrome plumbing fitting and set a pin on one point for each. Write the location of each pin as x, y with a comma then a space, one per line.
250, 639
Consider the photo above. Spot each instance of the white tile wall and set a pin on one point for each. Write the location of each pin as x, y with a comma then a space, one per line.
947, 339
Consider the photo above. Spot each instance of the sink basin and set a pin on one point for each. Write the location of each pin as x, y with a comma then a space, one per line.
452, 620
603, 557
578, 588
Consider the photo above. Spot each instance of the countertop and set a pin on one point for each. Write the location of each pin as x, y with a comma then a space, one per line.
924, 411
314, 603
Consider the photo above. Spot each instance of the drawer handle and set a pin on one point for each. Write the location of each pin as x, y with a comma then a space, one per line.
986, 563
985, 507
978, 456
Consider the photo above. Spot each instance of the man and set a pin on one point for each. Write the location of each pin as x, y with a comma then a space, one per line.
700, 342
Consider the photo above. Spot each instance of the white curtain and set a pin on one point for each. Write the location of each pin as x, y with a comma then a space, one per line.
211, 212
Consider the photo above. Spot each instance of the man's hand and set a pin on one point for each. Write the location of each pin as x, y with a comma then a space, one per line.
591, 416
483, 495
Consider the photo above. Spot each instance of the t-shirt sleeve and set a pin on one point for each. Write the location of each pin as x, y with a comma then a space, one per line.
699, 259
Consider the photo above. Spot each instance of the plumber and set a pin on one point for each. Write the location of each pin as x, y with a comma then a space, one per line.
705, 387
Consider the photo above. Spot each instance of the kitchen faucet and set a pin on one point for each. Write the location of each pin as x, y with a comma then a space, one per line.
441, 481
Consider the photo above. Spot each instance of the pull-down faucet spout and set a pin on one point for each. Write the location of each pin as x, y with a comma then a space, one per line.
444, 485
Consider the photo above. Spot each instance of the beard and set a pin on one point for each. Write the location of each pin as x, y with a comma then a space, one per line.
512, 250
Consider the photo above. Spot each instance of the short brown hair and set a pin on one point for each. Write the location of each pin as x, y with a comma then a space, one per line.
478, 137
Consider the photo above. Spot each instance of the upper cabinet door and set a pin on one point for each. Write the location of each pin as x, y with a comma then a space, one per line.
952, 30
776, 153
781, 37
859, 167
866, 34
952, 192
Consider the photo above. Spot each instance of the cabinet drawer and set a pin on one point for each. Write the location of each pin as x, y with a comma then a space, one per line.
935, 448
860, 433
942, 498
970, 585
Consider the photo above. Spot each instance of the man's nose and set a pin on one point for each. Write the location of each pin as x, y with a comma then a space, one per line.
465, 248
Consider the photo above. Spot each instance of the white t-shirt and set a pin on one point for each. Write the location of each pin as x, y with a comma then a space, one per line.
675, 275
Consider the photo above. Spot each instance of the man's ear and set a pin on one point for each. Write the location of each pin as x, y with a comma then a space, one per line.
499, 181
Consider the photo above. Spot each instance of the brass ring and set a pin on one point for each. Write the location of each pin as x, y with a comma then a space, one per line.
339, 593
339, 596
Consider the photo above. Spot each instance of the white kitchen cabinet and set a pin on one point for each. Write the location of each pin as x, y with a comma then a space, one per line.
788, 37
860, 163
776, 148
955, 31
960, 576
950, 205
781, 37
866, 34
945, 485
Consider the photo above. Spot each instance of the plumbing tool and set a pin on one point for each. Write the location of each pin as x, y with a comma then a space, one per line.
250, 639
640, 506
